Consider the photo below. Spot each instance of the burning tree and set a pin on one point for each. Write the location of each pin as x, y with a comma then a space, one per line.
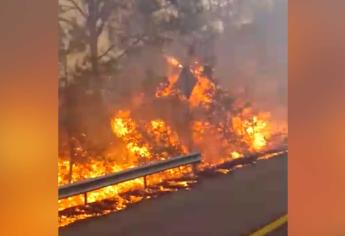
221, 128
184, 109
95, 38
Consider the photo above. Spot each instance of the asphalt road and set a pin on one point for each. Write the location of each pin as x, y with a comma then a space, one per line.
225, 205
281, 231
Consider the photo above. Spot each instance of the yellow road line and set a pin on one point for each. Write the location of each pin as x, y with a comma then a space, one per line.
270, 227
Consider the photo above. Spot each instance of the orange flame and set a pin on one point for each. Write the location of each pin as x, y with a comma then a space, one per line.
204, 90
175, 68
152, 140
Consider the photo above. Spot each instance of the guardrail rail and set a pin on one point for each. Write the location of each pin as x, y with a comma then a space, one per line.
84, 186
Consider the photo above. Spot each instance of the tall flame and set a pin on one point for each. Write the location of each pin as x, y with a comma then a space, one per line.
175, 68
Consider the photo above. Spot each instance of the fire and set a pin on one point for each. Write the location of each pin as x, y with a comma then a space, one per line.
175, 68
173, 61
204, 90
91, 169
235, 155
221, 132
202, 93
125, 128
159, 137
254, 131
163, 135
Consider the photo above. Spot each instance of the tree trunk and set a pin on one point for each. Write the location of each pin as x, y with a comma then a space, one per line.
71, 160
94, 61
70, 124
93, 43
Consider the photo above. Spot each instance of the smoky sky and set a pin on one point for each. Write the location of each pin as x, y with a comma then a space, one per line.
250, 56
253, 56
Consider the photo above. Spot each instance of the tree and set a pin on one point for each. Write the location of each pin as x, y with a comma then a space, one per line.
84, 22
97, 34
104, 31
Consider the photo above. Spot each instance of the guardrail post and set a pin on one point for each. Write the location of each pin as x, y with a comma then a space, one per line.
85, 198
88, 185
145, 182
194, 169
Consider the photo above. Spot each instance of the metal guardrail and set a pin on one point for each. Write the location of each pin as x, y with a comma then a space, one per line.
84, 186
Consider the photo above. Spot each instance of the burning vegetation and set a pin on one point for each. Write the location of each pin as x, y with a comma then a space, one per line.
210, 120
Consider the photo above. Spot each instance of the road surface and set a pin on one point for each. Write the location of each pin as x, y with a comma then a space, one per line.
224, 205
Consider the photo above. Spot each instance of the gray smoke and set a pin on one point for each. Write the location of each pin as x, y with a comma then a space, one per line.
249, 54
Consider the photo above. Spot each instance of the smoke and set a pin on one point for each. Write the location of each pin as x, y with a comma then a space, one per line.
248, 47
252, 54
247, 44
249, 54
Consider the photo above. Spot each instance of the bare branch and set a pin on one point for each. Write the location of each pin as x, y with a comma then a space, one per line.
106, 52
78, 8
66, 8
129, 47
67, 21
135, 43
